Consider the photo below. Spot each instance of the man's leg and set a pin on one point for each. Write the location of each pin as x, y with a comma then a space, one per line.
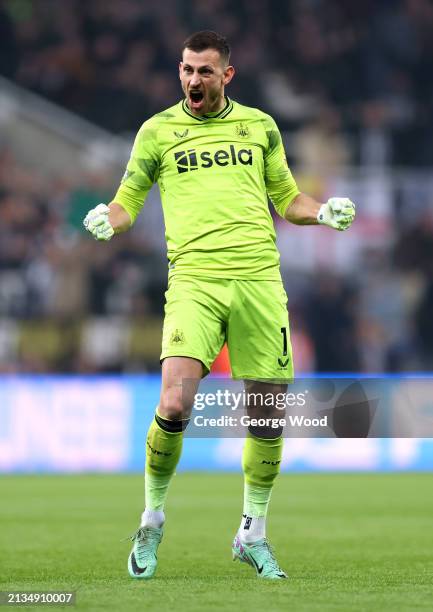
165, 435
180, 379
261, 461
259, 346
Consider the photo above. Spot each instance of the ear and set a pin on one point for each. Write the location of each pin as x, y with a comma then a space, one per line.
180, 69
229, 73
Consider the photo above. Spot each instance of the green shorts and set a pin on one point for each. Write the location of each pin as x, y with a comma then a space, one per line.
250, 315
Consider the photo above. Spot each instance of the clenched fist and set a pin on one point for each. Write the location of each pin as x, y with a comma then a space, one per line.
338, 213
96, 222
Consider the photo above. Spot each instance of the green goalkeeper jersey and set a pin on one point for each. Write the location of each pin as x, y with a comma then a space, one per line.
215, 173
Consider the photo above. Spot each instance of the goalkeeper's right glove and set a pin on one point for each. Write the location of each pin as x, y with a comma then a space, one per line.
96, 222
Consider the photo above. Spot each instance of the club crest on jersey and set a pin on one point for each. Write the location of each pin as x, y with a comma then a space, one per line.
242, 131
181, 135
177, 337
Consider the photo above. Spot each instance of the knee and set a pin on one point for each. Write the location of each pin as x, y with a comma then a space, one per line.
171, 405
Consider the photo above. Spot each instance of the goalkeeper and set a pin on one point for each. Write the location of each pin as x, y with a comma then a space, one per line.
216, 162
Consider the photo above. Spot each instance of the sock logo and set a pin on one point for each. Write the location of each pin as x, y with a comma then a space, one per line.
248, 521
271, 462
157, 452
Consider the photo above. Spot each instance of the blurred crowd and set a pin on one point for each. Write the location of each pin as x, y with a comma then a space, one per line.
351, 84
53, 278
361, 69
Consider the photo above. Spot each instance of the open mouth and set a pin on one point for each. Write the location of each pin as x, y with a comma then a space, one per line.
196, 99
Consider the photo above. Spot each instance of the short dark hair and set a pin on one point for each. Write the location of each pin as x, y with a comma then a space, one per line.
207, 39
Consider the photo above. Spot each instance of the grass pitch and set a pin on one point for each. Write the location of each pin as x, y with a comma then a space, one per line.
348, 542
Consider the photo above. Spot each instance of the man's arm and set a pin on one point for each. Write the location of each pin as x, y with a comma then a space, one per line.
118, 218
303, 210
337, 213
104, 221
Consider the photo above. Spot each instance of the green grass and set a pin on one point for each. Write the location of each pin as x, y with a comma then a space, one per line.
348, 542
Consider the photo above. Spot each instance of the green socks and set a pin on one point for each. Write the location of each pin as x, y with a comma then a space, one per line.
261, 461
163, 450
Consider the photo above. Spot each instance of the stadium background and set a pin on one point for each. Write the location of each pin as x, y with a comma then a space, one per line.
80, 322
346, 83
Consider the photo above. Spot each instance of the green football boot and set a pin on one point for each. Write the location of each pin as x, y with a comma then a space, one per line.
142, 560
260, 556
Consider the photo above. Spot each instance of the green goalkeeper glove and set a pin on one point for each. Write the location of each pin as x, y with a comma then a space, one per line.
96, 222
338, 213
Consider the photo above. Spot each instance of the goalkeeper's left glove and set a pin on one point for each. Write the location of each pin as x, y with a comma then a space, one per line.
96, 222
338, 213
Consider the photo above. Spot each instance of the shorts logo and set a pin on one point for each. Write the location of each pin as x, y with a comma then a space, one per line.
189, 160
270, 462
283, 363
177, 337
242, 131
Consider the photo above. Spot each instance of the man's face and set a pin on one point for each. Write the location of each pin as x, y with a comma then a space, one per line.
203, 76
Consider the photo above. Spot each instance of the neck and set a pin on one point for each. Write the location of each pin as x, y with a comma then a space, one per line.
219, 104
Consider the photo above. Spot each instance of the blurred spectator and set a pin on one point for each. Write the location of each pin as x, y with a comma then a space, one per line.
331, 321
424, 325
320, 145
9, 50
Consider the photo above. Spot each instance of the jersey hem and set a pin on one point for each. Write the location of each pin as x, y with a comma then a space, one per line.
269, 379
